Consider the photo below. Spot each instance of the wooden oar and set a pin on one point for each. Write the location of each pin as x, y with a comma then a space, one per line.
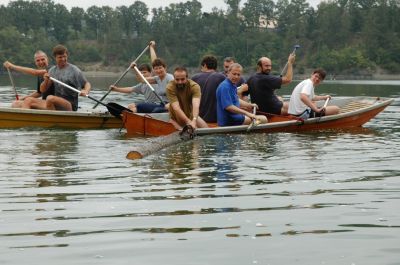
326, 103
156, 144
254, 121
12, 83
123, 74
114, 108
148, 84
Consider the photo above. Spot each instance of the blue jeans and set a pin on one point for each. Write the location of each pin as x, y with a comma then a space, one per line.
150, 108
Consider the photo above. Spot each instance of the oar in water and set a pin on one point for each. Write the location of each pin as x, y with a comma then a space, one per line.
156, 144
294, 52
12, 83
123, 74
114, 108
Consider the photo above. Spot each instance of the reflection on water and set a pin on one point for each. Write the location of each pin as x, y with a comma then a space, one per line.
71, 197
53, 153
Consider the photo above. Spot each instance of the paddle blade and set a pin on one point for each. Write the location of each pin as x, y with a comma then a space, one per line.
116, 109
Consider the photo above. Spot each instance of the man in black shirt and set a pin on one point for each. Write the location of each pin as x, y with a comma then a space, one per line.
262, 86
35, 100
208, 79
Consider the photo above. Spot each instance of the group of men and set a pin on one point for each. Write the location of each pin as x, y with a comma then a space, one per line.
50, 95
208, 97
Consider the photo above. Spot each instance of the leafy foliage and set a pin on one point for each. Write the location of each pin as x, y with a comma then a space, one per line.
342, 36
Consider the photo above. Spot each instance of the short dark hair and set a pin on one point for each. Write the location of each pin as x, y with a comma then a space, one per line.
210, 62
145, 67
321, 72
159, 62
181, 69
230, 59
59, 50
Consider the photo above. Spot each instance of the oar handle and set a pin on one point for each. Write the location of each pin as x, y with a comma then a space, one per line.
113, 108
253, 121
76, 90
122, 76
12, 83
294, 52
148, 84
326, 103
64, 84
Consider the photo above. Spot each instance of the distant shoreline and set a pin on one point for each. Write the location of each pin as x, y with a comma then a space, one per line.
296, 76
376, 76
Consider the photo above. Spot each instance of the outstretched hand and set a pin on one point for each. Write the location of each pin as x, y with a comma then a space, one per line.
7, 65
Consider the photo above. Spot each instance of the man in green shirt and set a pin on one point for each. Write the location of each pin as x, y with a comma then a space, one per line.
184, 98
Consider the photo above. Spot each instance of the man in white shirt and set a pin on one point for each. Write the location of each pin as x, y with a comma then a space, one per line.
302, 101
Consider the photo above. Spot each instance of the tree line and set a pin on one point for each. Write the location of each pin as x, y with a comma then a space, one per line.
342, 36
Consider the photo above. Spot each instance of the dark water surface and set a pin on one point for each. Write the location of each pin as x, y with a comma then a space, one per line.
71, 197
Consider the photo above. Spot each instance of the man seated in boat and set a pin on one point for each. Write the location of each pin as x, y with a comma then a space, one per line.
184, 97
141, 88
64, 98
242, 86
302, 101
208, 80
35, 100
231, 110
262, 86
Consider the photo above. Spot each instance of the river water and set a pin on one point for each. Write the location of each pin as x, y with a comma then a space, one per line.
71, 197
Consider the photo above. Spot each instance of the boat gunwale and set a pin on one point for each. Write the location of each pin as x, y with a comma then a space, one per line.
79, 113
379, 102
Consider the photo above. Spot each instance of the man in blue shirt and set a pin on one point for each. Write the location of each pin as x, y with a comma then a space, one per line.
230, 109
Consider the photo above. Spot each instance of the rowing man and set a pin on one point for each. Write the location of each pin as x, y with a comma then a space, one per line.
230, 109
184, 97
302, 100
64, 98
35, 100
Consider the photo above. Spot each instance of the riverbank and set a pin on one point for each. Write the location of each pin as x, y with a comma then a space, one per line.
377, 76
101, 71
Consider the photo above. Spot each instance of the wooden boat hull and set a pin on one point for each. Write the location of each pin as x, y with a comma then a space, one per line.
19, 118
354, 113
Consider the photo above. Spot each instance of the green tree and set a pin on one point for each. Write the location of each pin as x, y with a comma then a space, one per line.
258, 13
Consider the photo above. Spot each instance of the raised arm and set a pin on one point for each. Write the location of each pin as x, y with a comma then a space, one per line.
153, 54
23, 69
288, 77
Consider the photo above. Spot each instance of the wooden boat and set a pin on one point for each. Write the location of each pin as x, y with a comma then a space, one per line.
354, 112
81, 119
